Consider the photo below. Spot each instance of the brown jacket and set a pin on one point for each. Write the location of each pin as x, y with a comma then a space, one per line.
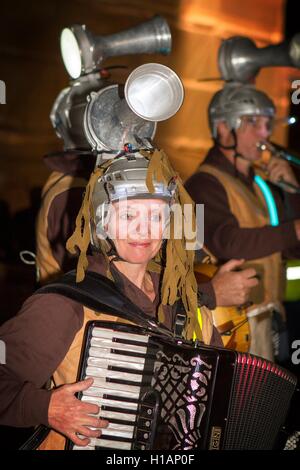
236, 225
222, 234
39, 338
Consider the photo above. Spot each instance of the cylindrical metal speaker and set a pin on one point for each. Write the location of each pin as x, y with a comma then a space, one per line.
83, 53
109, 123
240, 60
154, 92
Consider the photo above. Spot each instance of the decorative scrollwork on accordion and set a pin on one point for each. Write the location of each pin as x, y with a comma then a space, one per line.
183, 390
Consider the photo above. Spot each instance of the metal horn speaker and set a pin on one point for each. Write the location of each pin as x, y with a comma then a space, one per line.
83, 53
154, 92
239, 59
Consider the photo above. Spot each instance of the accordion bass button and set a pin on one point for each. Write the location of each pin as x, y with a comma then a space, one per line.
142, 437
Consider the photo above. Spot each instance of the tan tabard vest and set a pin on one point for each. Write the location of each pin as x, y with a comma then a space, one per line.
46, 264
66, 372
251, 212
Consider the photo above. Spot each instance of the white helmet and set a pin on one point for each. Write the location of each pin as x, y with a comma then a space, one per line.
125, 178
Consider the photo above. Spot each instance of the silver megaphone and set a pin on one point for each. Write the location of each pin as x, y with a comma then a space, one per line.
83, 53
239, 59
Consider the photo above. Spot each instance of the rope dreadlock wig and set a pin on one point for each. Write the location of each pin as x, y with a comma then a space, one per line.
145, 174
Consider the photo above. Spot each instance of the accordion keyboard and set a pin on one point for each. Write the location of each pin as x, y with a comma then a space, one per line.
116, 362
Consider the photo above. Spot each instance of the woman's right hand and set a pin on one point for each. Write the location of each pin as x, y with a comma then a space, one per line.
70, 416
233, 287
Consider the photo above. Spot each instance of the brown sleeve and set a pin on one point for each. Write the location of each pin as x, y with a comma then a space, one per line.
292, 210
207, 295
36, 340
61, 224
216, 339
292, 205
222, 234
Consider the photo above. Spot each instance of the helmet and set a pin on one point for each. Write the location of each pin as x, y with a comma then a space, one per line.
236, 100
125, 178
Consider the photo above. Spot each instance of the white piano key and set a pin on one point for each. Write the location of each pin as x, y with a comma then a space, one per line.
112, 374
99, 392
98, 351
111, 444
83, 448
113, 429
107, 333
117, 433
107, 343
113, 387
105, 363
107, 414
92, 400
123, 405
121, 427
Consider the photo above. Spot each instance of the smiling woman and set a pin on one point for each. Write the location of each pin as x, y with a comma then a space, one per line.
123, 202
140, 273
137, 228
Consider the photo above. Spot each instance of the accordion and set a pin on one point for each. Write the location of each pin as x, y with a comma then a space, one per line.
166, 394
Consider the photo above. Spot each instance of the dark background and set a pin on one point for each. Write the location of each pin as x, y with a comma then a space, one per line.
38, 74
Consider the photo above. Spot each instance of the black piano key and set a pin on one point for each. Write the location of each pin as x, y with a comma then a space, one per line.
121, 352
106, 448
120, 421
118, 410
130, 371
144, 383
115, 438
116, 397
129, 341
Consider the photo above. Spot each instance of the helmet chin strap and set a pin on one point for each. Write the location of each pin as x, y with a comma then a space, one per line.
113, 251
236, 153
225, 147
231, 147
